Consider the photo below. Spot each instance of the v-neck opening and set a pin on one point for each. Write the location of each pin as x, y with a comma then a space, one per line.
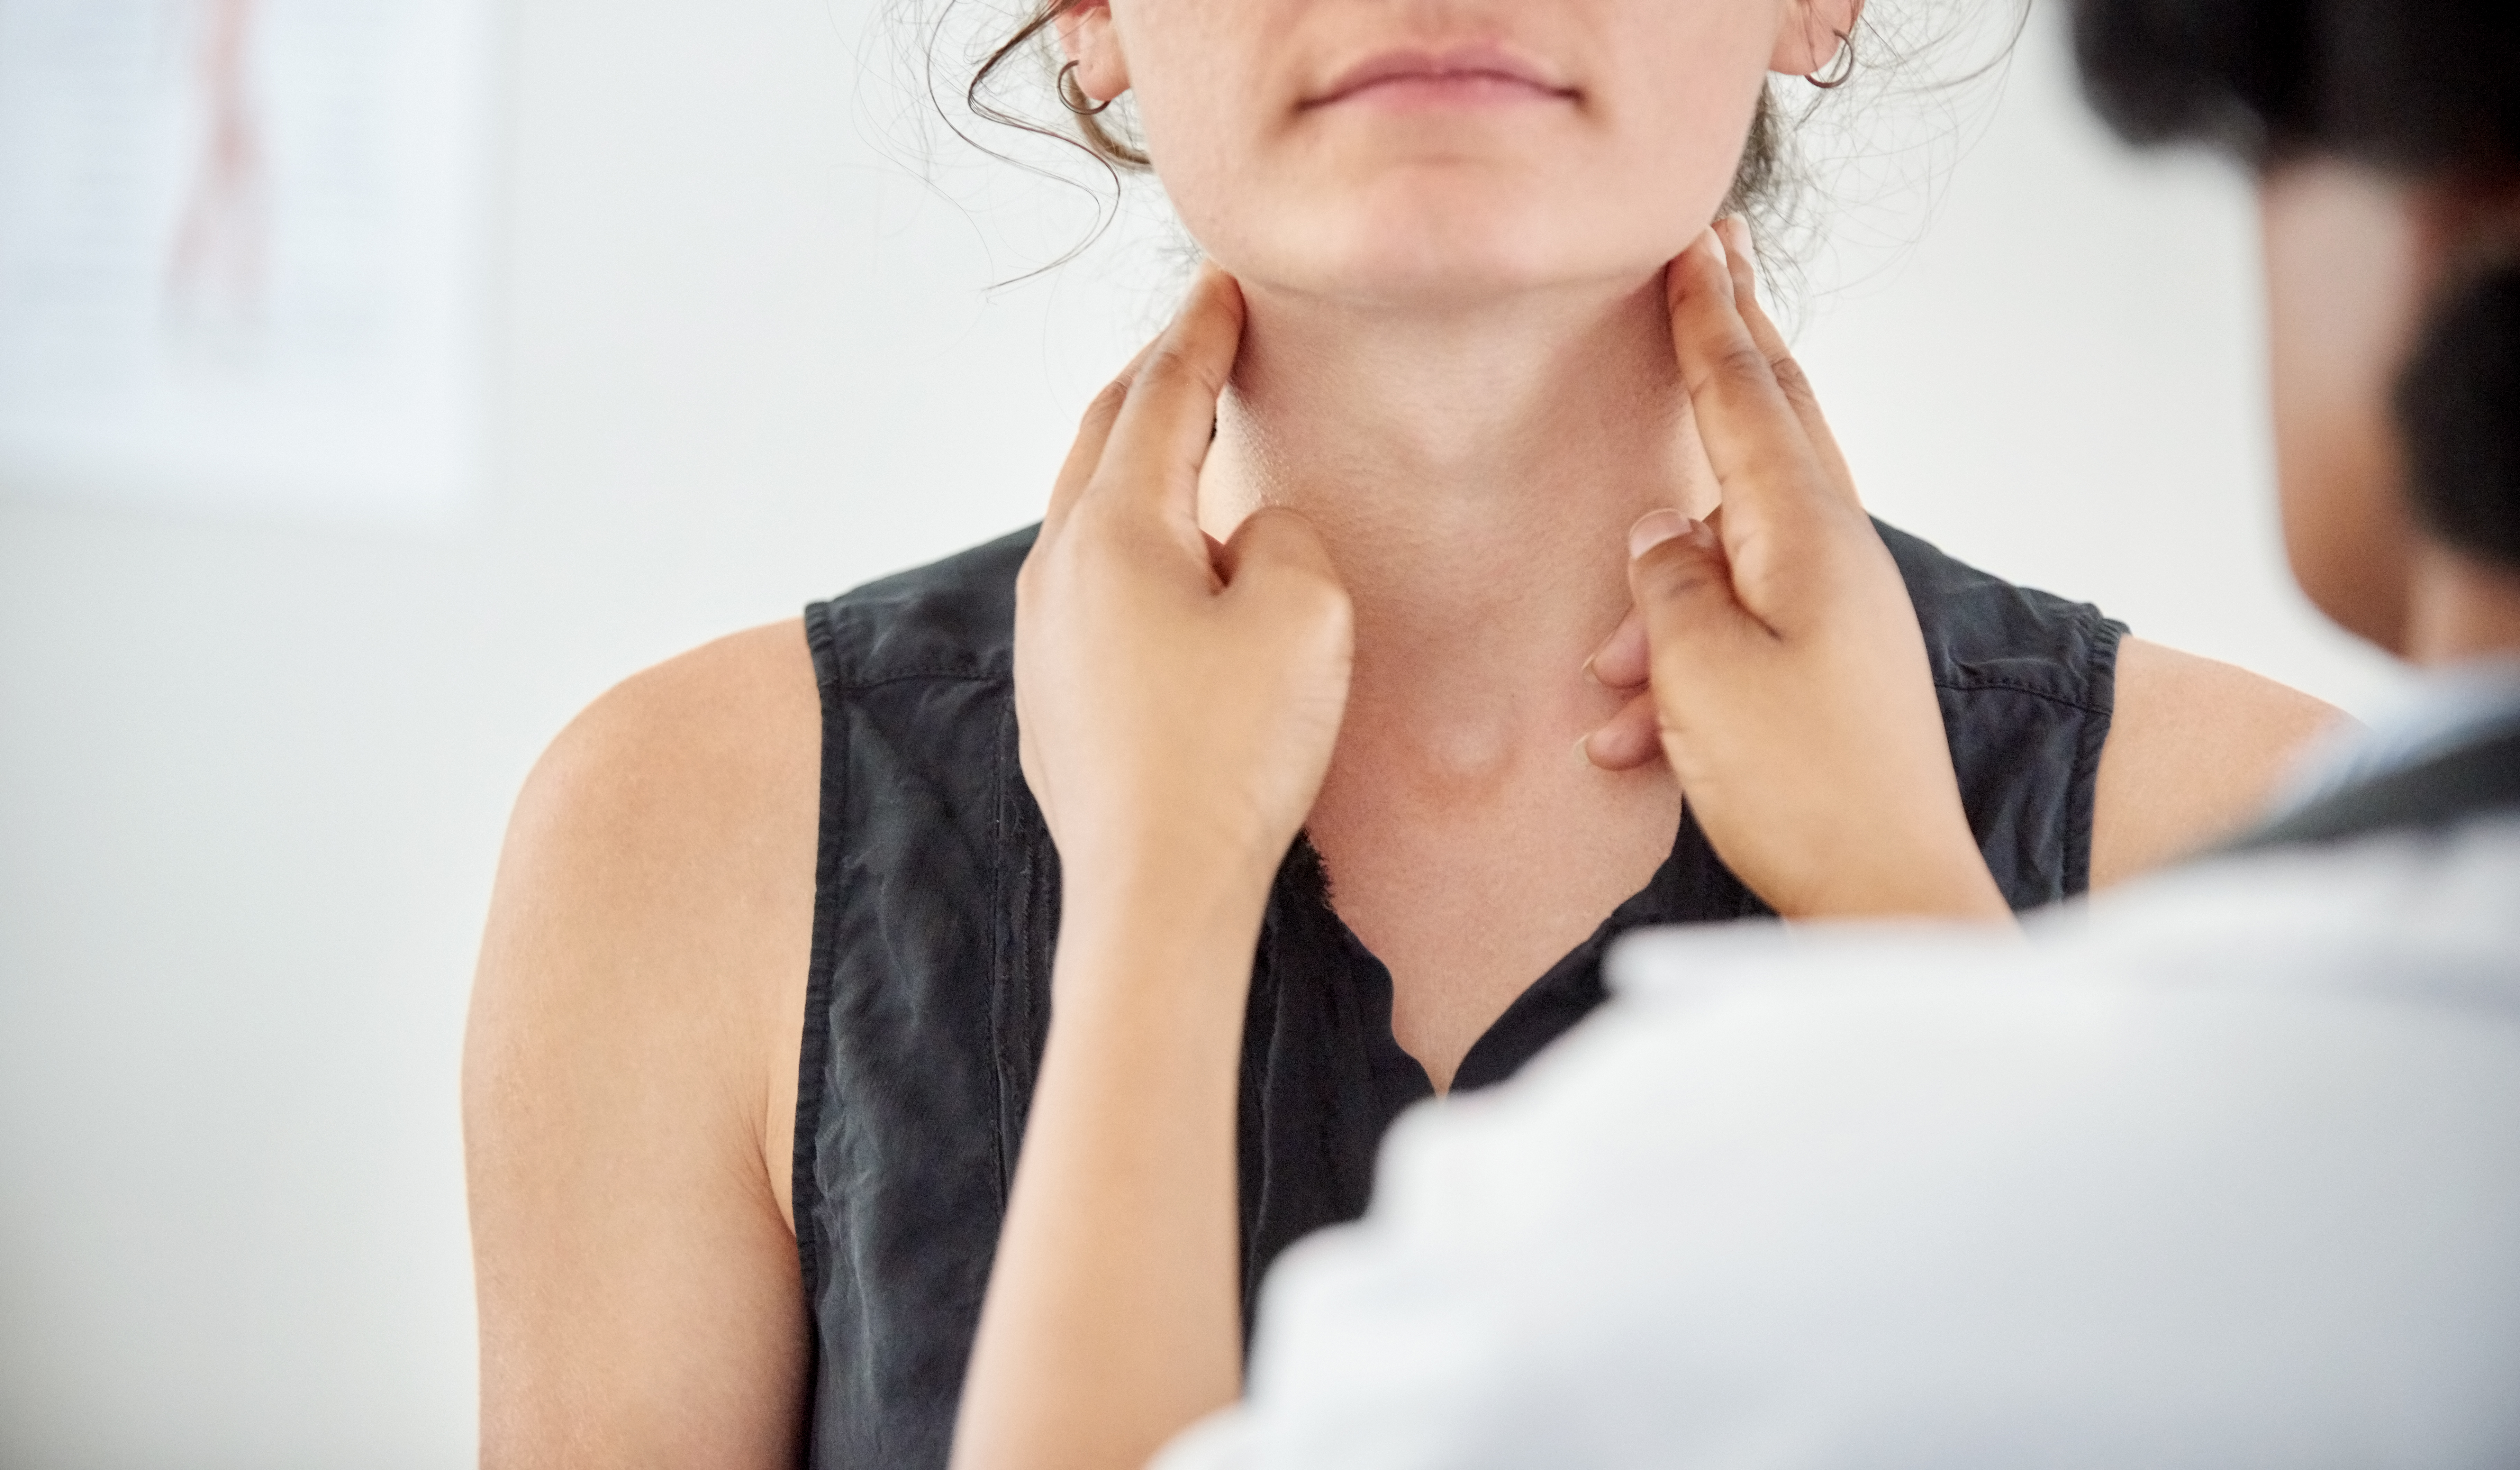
1562, 994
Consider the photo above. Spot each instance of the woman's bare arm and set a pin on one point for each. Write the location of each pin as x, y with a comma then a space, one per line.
2196, 748
630, 1075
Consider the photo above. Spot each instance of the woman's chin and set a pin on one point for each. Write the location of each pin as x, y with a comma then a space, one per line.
1430, 269
1434, 240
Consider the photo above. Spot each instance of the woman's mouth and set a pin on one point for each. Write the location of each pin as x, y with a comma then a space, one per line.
1466, 77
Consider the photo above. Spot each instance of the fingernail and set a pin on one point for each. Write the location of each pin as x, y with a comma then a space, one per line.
1584, 751
1715, 237
1655, 527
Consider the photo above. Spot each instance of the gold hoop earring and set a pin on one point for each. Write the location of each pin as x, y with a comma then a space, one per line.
1843, 63
1071, 94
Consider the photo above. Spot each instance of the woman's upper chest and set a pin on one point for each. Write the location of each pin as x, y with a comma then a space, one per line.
1467, 892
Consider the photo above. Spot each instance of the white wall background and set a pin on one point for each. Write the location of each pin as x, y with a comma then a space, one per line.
253, 774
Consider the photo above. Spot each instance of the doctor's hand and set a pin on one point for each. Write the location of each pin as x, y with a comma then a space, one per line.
1784, 677
1177, 698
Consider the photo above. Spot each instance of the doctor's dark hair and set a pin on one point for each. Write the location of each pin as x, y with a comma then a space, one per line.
2419, 86
2459, 410
2424, 89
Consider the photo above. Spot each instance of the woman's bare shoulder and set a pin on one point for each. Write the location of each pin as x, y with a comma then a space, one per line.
630, 1068
2196, 748
727, 722
658, 868
680, 801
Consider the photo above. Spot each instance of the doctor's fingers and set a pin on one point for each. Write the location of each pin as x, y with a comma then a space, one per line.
1740, 255
1763, 459
1151, 463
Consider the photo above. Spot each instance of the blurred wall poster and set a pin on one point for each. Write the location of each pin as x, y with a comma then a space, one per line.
241, 251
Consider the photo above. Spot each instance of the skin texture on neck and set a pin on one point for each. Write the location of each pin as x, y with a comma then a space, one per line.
1455, 363
1474, 474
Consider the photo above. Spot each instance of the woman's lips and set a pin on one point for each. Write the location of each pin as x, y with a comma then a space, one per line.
1464, 76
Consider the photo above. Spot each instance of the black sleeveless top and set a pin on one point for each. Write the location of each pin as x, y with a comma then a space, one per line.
937, 901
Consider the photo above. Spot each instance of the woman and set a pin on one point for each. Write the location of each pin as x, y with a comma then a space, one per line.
1442, 229
2224, 1173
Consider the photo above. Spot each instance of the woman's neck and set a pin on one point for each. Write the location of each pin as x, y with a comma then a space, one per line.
1474, 476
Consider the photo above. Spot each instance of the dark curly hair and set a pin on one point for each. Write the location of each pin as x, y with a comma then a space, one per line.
2426, 89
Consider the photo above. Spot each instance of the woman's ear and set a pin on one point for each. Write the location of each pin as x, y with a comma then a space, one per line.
1090, 40
1813, 33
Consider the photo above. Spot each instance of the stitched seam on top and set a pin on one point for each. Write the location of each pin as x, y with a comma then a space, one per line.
964, 675
1002, 944
2099, 663
805, 1193
1979, 686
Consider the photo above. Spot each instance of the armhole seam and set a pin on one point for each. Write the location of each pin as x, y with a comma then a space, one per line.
2107, 635
813, 1052
1004, 961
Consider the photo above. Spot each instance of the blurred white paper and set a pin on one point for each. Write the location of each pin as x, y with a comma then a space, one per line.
240, 251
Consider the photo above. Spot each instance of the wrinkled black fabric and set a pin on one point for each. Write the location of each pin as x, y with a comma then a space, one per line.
936, 899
